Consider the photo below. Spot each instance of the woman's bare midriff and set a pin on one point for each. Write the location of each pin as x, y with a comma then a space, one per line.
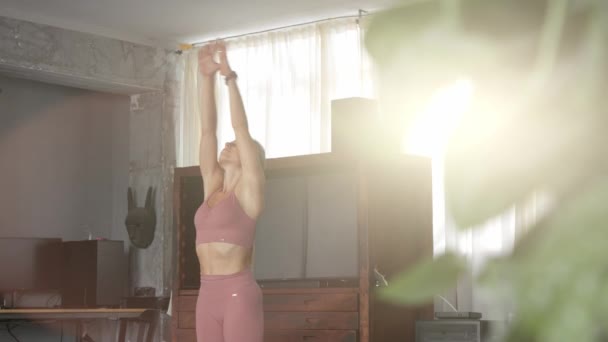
220, 258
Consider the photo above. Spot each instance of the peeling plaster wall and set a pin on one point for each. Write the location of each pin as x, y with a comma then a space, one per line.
152, 77
55, 55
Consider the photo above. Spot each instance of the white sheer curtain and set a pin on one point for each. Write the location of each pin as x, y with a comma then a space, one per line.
287, 80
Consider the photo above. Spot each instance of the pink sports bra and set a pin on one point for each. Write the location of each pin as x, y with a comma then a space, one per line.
226, 221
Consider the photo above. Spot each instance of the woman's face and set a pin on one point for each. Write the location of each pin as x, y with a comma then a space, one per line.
230, 154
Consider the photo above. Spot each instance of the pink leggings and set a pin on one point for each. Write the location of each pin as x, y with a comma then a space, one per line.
229, 309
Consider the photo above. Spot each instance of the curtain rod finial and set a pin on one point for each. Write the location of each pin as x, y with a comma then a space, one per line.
183, 47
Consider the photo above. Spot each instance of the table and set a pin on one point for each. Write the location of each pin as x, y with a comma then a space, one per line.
125, 316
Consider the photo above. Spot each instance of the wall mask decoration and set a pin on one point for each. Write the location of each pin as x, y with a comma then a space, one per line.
141, 222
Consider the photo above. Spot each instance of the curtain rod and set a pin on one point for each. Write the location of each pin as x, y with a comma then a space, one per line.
361, 13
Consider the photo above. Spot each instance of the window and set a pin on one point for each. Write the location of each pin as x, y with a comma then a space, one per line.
287, 79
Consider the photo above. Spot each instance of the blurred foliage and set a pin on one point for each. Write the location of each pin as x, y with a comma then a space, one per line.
538, 122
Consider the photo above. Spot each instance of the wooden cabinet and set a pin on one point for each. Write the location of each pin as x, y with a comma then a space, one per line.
329, 221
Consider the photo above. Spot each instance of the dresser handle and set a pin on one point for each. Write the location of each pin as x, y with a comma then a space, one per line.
309, 337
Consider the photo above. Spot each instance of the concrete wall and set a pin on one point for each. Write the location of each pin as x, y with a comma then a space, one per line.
151, 77
78, 59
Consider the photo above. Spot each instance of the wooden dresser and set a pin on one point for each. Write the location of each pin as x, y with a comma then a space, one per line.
336, 219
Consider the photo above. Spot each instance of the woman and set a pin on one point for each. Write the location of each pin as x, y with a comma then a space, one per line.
229, 306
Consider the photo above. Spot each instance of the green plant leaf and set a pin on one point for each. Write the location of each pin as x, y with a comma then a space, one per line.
390, 30
530, 132
424, 281
522, 136
557, 273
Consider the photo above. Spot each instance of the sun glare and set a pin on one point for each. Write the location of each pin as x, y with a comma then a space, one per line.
432, 127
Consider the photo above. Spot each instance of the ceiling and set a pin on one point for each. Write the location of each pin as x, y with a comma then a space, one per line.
167, 23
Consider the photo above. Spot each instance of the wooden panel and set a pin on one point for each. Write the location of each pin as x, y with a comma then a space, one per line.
274, 166
311, 290
188, 292
189, 335
191, 197
311, 320
394, 230
293, 290
186, 303
291, 320
176, 223
188, 171
311, 302
292, 302
310, 336
280, 230
185, 335
400, 235
186, 320
332, 226
364, 267
312, 163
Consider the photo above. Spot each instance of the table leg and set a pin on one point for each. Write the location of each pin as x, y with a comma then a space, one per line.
152, 318
123, 330
78, 328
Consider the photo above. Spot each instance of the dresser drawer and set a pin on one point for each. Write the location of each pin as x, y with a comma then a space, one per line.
189, 335
311, 320
291, 320
311, 302
310, 336
186, 303
292, 302
185, 335
186, 319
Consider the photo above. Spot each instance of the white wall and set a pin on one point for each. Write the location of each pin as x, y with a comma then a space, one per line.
63, 160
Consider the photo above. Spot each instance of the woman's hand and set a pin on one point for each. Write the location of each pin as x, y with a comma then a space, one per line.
225, 69
206, 65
